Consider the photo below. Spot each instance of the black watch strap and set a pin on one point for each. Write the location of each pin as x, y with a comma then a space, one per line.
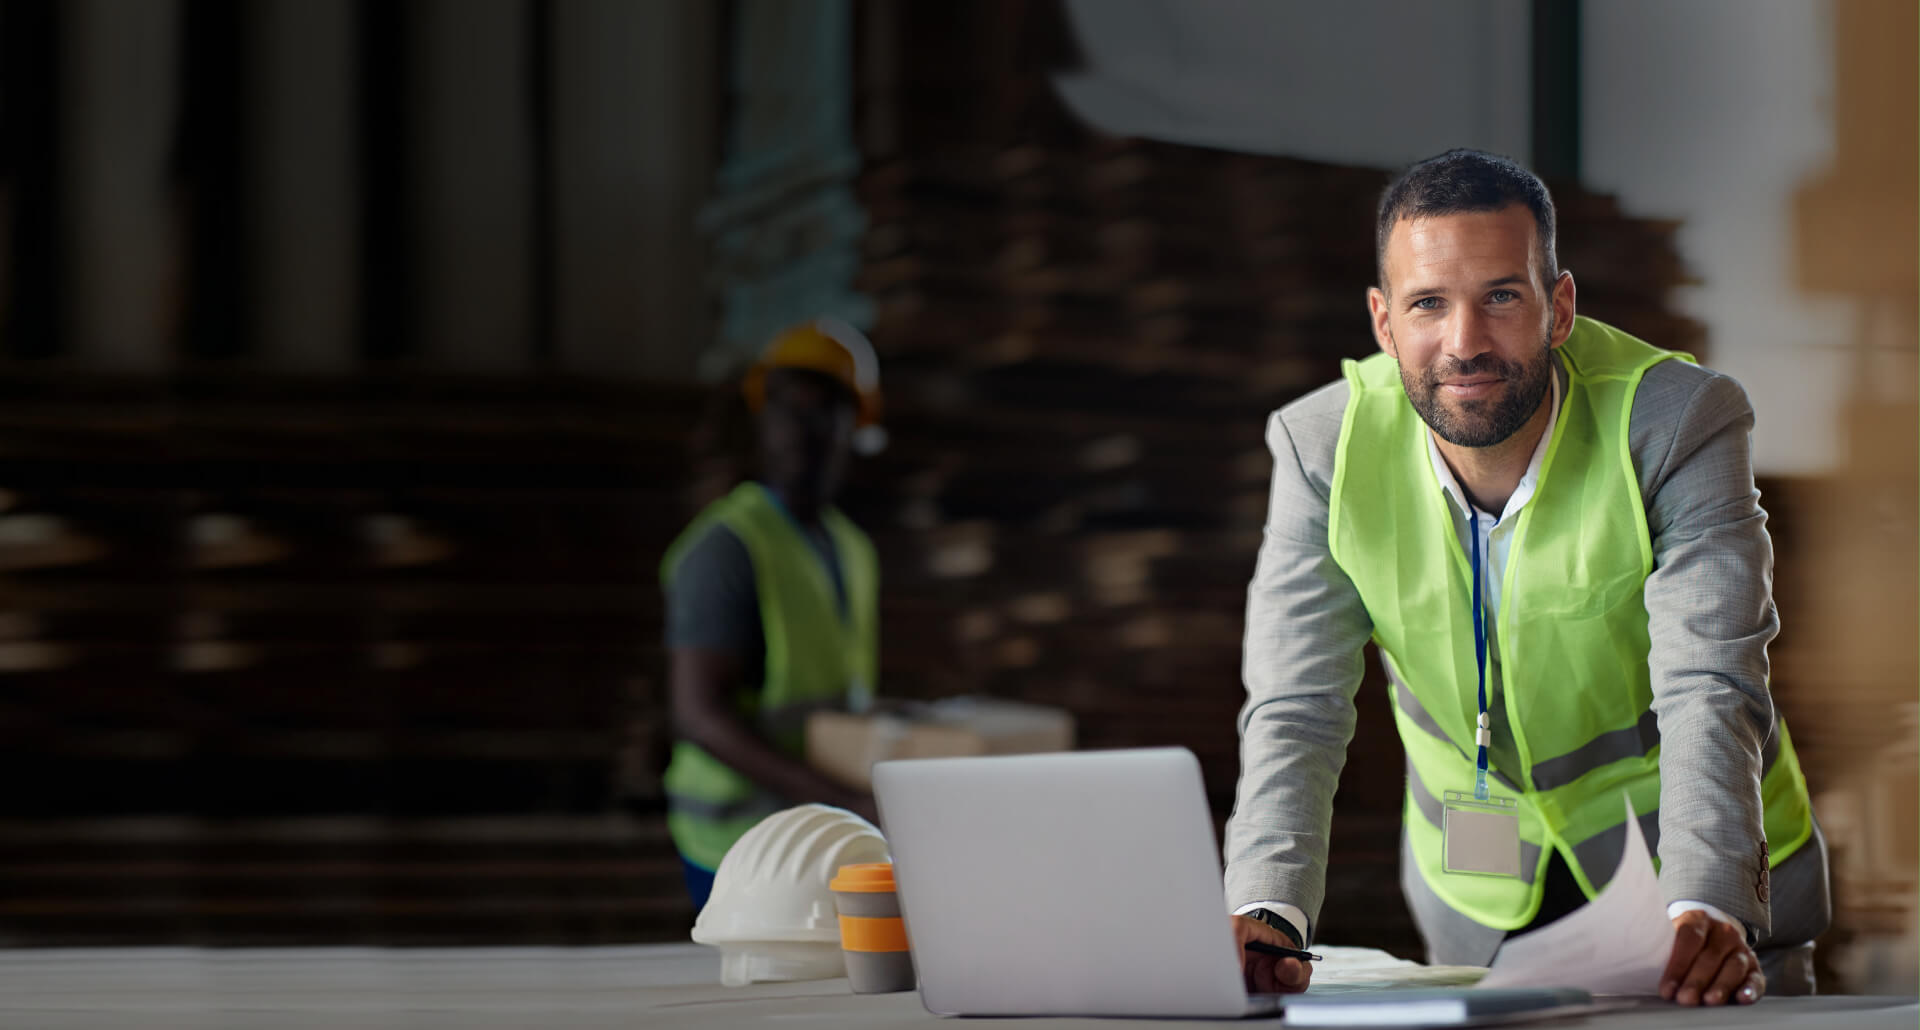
1280, 923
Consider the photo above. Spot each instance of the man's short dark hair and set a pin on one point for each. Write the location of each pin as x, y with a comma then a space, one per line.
1461, 181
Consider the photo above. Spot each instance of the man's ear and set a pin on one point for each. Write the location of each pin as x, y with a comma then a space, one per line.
1382, 332
1562, 309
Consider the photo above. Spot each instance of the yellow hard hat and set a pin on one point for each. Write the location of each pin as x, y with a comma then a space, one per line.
828, 346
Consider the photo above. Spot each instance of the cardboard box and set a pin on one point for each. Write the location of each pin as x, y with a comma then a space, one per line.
845, 745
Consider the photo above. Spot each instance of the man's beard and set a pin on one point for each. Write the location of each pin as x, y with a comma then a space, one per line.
1479, 423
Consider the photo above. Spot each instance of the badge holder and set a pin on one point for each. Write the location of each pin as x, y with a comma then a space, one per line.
1481, 838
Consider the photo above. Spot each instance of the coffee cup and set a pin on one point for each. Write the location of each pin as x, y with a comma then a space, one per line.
873, 937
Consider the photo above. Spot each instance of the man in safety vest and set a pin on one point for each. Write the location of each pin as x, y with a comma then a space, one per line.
772, 604
1550, 530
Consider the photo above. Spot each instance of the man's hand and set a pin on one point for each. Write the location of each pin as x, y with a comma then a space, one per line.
1711, 964
1269, 974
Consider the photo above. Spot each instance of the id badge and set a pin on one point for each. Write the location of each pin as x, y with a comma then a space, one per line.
1482, 838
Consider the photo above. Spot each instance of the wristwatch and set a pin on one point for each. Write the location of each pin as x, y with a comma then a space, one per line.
1279, 922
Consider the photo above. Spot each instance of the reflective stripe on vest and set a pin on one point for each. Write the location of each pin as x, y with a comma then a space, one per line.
815, 658
1573, 639
1608, 747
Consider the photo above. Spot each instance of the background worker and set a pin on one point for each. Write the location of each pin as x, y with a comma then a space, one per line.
1550, 529
772, 604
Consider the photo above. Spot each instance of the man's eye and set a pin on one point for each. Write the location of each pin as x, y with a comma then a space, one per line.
1427, 303
1504, 296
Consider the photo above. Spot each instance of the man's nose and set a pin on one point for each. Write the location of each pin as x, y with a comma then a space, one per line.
1466, 335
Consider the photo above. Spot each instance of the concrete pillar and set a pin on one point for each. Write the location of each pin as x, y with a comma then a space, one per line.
470, 184
635, 95
784, 224
305, 217
118, 84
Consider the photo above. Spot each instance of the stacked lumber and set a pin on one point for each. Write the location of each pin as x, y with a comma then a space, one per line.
526, 878
256, 645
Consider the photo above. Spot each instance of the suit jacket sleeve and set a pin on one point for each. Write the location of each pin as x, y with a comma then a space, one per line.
1301, 665
1710, 615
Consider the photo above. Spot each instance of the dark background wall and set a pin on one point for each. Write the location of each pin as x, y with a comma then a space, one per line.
361, 359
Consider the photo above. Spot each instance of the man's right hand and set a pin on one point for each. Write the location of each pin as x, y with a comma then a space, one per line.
1269, 974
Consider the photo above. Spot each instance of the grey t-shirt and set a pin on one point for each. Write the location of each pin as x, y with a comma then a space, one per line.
714, 604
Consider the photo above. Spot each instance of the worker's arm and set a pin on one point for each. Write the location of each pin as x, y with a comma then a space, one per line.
703, 683
1710, 614
1301, 666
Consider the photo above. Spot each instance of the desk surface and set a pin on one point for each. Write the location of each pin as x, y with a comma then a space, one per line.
668, 985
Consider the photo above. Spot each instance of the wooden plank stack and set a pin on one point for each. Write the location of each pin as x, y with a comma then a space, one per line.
297, 665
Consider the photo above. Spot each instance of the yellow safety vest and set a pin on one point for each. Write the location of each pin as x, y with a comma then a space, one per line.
1572, 631
816, 659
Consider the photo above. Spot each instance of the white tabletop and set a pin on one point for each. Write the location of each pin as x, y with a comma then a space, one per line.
664, 985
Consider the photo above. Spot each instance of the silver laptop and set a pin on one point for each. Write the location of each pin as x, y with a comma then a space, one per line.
1083, 884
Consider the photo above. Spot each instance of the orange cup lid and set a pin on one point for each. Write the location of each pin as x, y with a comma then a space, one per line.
869, 877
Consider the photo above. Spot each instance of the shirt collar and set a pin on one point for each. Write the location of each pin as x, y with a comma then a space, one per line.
1530, 480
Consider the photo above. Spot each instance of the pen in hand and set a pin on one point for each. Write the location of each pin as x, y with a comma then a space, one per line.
1263, 948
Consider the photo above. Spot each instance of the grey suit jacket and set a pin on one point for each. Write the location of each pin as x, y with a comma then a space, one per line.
1709, 599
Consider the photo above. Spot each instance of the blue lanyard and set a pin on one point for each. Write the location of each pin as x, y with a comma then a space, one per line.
1484, 736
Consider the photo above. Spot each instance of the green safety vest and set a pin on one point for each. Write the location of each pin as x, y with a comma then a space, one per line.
816, 660
1572, 631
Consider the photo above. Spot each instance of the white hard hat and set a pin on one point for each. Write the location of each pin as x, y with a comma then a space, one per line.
771, 913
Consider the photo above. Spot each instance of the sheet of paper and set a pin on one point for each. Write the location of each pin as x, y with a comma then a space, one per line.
1617, 943
1348, 970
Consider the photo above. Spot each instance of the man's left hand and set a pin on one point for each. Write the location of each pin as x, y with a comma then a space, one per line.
1711, 964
